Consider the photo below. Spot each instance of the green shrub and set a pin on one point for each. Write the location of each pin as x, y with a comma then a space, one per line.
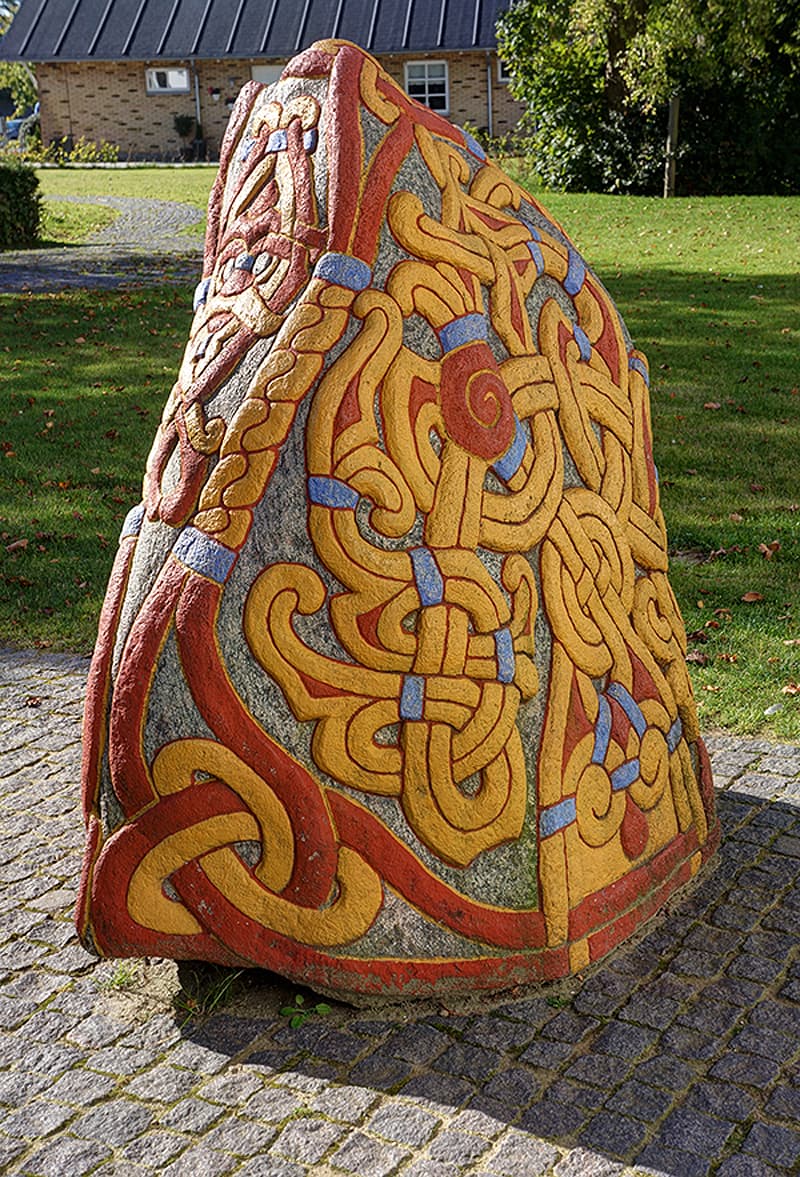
20, 206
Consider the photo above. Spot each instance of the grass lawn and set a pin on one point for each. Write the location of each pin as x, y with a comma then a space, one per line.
709, 289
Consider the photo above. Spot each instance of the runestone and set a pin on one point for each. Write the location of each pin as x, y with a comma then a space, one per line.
389, 694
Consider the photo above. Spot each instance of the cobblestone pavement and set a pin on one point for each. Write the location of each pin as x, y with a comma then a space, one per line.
680, 1055
145, 243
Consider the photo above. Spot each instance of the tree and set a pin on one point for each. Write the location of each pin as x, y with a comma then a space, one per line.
15, 76
598, 75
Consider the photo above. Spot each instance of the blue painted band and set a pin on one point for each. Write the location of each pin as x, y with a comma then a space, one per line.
412, 697
508, 465
204, 555
534, 232
625, 775
557, 817
245, 261
472, 144
506, 660
576, 273
430, 585
466, 329
602, 731
637, 365
582, 340
133, 522
247, 147
674, 735
332, 492
343, 270
201, 293
538, 257
629, 705
277, 141
310, 139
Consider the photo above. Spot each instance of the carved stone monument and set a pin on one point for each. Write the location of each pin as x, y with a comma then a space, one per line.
389, 694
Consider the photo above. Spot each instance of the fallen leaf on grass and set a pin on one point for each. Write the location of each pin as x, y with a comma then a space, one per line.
791, 688
710, 687
736, 517
791, 641
756, 487
712, 405
696, 658
724, 612
18, 545
727, 657
769, 550
697, 635
751, 597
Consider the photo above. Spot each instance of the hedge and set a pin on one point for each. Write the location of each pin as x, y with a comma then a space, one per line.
20, 206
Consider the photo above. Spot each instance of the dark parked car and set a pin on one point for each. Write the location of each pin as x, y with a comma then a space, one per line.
15, 126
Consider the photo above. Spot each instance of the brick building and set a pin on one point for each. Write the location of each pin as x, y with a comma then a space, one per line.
121, 70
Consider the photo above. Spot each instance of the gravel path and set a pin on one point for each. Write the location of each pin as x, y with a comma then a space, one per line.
143, 244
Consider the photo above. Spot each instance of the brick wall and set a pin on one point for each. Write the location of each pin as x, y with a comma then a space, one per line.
108, 100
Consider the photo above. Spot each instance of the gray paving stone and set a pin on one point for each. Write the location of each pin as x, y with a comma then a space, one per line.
742, 1166
198, 1161
81, 1088
274, 1104
554, 1120
759, 1040
567, 1026
240, 1136
365, 1157
784, 1104
438, 1090
232, 1089
9, 1151
193, 1116
599, 1070
417, 1043
455, 1148
164, 1084
752, 1070
774, 1144
380, 1071
695, 1132
38, 1119
154, 1150
307, 1140
518, 1155
548, 1055
658, 1158
67, 1156
17, 1087
515, 1087
624, 1040
468, 1061
271, 1167
349, 1104
721, 1099
614, 1134
640, 1100
115, 1123
404, 1124
580, 1162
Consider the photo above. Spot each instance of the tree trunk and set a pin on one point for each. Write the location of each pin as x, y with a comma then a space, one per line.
672, 143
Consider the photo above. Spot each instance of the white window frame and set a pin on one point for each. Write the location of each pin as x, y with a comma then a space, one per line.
420, 87
177, 80
503, 76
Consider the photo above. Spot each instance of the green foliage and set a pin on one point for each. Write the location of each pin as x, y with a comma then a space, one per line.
596, 76
20, 206
65, 151
18, 78
299, 1013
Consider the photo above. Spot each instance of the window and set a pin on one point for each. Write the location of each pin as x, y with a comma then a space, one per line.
502, 72
427, 82
167, 81
268, 74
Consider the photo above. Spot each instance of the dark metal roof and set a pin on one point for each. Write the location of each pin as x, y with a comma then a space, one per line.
148, 30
